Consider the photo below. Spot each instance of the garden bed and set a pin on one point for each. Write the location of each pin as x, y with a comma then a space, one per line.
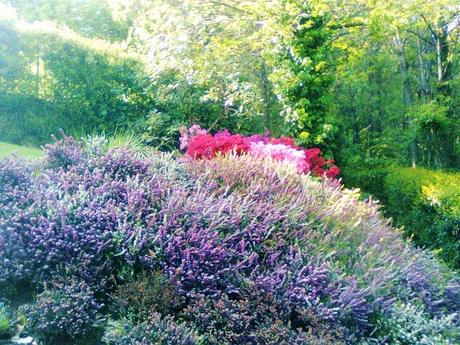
116, 246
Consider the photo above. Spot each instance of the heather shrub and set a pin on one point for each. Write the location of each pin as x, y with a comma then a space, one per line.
63, 313
335, 221
63, 153
15, 185
155, 331
144, 294
254, 317
309, 292
60, 234
228, 250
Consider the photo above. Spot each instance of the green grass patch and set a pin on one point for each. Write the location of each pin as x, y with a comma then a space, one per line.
21, 151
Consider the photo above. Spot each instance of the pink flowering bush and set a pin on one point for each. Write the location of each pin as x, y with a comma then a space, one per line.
199, 144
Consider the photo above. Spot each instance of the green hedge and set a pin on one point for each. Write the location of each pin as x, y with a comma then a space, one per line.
425, 203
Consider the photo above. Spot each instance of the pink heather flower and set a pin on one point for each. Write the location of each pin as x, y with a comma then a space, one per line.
207, 146
259, 137
223, 134
224, 142
333, 171
201, 146
283, 140
184, 137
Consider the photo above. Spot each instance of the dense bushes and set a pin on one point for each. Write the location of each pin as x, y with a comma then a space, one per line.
6, 330
148, 249
425, 202
408, 325
79, 85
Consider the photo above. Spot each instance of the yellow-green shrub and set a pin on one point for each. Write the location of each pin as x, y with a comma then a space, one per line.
425, 202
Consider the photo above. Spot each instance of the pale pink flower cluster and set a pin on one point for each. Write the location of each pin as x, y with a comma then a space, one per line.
280, 152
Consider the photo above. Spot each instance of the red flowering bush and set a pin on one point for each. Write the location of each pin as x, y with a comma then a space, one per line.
200, 144
225, 142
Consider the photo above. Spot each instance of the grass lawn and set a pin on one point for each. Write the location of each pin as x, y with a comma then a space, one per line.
22, 151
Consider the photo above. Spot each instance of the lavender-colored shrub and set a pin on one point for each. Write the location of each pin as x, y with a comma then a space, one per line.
254, 252
63, 313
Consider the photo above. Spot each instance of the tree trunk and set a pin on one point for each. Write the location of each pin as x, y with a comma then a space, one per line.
444, 66
404, 69
422, 74
266, 96
37, 71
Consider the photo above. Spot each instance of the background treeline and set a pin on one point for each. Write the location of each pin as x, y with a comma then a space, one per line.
397, 95
53, 78
363, 79
373, 83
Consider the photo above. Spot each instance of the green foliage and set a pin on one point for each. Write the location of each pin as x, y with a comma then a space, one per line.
410, 324
425, 202
396, 95
91, 18
245, 66
303, 76
434, 131
127, 139
5, 323
67, 82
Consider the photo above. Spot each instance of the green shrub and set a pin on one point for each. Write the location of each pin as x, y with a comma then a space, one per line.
141, 296
5, 323
84, 85
409, 324
424, 202
369, 179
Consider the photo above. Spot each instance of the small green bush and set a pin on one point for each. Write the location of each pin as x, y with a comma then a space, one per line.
424, 202
409, 324
5, 323
141, 296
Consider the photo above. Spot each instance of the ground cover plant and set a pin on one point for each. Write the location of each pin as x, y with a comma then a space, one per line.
120, 246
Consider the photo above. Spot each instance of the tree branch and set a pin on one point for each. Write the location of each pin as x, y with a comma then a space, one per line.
345, 26
419, 36
429, 26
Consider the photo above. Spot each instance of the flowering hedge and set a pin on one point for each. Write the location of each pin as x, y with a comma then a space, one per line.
235, 250
199, 144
